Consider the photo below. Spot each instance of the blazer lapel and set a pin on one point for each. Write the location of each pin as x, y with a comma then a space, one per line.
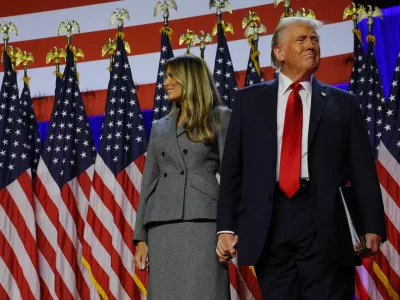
171, 136
180, 130
318, 100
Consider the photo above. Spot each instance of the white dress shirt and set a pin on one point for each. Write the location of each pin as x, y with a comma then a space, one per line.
283, 97
284, 91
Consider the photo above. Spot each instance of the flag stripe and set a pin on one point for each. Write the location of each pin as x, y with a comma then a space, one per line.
44, 290
362, 293
336, 31
75, 232
104, 237
44, 5
251, 281
392, 256
191, 12
116, 260
135, 172
91, 42
21, 215
368, 264
386, 273
331, 71
47, 220
8, 283
383, 278
3, 293
129, 191
369, 283
115, 207
25, 182
10, 258
85, 183
17, 232
234, 278
47, 257
96, 255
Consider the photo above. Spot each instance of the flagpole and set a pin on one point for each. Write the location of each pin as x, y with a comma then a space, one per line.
252, 31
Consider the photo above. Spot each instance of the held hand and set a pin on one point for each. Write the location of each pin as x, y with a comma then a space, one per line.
141, 256
226, 247
373, 242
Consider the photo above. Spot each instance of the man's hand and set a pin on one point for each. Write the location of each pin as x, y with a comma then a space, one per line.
373, 242
141, 255
226, 249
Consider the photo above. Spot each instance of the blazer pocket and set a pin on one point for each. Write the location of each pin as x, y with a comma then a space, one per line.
152, 188
206, 184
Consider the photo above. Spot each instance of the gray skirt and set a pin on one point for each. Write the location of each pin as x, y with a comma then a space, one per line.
183, 264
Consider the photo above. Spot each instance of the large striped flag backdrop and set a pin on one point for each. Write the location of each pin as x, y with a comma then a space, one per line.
18, 253
37, 23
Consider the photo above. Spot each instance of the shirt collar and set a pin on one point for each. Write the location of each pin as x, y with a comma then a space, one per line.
285, 82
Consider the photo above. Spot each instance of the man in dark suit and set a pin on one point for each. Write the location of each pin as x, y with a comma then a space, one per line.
290, 145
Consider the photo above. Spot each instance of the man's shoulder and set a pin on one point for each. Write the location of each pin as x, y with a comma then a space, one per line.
335, 91
255, 88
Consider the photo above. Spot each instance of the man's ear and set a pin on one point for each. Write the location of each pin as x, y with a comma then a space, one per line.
279, 54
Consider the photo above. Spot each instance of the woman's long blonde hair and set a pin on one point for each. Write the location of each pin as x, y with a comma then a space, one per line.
199, 97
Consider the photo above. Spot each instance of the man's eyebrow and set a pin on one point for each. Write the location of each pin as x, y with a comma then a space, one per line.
305, 35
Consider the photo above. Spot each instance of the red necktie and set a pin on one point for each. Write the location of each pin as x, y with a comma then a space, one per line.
289, 173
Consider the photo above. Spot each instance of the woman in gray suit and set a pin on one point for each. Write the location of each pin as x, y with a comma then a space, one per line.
175, 229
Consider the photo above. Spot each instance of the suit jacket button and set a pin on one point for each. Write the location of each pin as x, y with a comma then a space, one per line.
182, 172
165, 174
163, 153
185, 151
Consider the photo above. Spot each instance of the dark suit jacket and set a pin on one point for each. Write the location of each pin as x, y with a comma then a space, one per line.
179, 180
337, 143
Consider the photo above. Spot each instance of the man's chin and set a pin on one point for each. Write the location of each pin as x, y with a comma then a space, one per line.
311, 68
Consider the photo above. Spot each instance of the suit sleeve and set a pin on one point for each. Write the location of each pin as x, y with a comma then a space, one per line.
231, 171
363, 174
150, 174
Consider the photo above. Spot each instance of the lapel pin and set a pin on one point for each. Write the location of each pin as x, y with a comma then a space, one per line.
323, 93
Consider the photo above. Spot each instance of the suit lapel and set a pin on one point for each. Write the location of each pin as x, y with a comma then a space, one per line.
180, 130
318, 100
269, 108
171, 136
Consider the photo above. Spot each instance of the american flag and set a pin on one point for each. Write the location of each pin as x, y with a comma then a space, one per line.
62, 188
359, 62
162, 106
379, 276
243, 282
253, 75
224, 74
116, 189
33, 135
372, 99
19, 278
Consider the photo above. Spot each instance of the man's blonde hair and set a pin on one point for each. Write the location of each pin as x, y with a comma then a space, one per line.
285, 23
199, 96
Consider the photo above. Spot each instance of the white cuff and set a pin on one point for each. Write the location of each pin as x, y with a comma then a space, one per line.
225, 231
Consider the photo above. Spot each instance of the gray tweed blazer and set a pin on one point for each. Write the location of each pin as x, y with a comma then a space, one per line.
179, 180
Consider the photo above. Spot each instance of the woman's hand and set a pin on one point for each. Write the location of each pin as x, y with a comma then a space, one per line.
141, 256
